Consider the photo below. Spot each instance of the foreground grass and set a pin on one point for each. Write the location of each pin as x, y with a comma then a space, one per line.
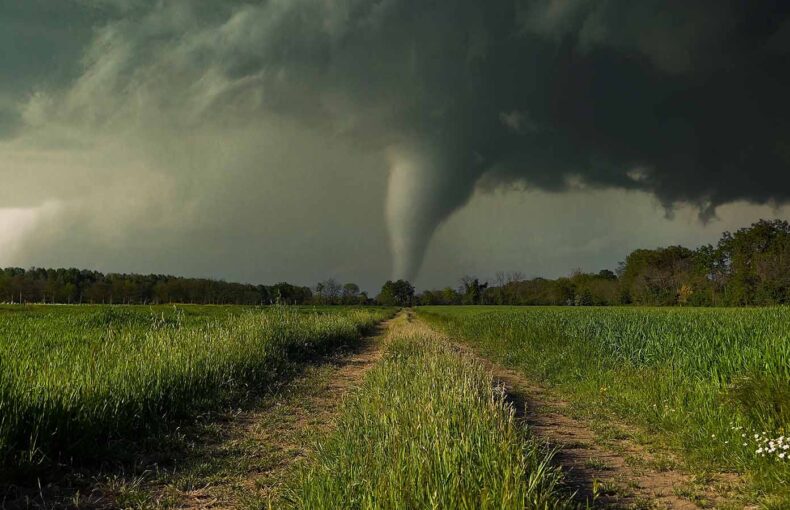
75, 378
427, 430
235, 459
713, 384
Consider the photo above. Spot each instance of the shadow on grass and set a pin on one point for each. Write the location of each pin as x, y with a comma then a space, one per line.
117, 473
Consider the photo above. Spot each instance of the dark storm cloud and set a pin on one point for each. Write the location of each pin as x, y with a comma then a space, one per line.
41, 44
685, 100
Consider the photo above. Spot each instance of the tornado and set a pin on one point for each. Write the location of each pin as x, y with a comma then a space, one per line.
425, 186
518, 95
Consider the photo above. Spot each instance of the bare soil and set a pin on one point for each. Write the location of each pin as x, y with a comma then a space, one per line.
268, 442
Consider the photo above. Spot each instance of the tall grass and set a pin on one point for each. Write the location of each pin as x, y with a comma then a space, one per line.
71, 378
705, 380
427, 430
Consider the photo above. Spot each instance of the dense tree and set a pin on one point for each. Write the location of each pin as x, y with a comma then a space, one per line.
328, 292
350, 294
398, 293
653, 277
37, 285
472, 290
748, 267
756, 261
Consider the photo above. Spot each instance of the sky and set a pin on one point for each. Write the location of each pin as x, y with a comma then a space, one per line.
362, 140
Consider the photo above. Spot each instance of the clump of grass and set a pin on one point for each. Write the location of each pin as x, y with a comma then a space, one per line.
69, 382
428, 430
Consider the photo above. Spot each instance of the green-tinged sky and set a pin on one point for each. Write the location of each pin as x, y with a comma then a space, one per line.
363, 139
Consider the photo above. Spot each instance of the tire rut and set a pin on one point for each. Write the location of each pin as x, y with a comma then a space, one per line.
604, 472
275, 436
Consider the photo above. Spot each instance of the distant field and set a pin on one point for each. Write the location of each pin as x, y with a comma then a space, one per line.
74, 377
712, 383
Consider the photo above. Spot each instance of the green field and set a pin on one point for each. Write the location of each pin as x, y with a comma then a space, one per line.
423, 426
428, 430
713, 384
75, 377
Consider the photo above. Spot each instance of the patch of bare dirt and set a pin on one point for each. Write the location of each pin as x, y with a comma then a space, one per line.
268, 441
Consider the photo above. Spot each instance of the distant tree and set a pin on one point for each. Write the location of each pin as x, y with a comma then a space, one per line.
350, 294
319, 292
472, 290
584, 298
653, 277
450, 296
397, 293
684, 294
757, 262
606, 274
328, 292
84, 286
429, 298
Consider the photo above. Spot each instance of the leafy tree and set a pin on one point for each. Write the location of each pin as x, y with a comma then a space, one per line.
398, 293
350, 294
472, 290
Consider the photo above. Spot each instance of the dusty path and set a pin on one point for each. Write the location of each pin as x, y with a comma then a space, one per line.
251, 454
234, 458
606, 468
609, 467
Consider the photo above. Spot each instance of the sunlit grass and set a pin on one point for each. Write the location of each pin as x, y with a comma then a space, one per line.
704, 381
427, 430
71, 378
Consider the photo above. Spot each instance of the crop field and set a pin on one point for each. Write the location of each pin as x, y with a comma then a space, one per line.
428, 430
349, 407
713, 384
73, 378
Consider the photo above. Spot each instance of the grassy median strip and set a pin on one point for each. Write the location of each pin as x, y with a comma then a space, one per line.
428, 430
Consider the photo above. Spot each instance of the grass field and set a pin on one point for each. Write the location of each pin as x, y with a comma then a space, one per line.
427, 429
713, 384
73, 378
422, 427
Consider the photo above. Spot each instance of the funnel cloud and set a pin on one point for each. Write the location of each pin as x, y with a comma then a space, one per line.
205, 117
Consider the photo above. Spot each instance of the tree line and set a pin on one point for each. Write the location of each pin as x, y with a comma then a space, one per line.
73, 286
748, 267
